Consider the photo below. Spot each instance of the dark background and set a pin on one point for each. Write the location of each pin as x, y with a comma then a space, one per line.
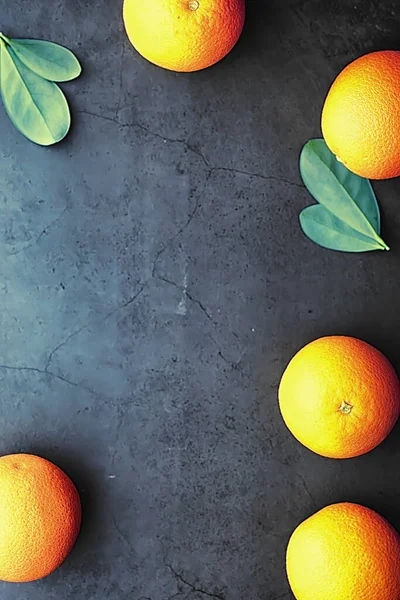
154, 283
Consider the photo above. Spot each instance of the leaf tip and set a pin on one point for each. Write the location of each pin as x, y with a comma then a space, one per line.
383, 245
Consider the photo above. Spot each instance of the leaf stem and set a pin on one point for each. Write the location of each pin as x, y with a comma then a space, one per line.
5, 38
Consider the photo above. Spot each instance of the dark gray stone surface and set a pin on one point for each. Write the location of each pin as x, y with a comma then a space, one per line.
154, 283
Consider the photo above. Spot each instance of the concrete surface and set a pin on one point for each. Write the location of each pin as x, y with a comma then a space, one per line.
154, 283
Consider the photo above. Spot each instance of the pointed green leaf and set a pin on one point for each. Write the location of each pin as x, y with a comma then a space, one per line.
326, 230
50, 61
37, 107
346, 195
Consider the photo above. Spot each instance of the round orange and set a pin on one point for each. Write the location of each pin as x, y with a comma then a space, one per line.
184, 35
344, 552
40, 517
339, 396
361, 115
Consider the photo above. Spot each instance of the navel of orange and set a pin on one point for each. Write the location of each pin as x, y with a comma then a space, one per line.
339, 396
184, 35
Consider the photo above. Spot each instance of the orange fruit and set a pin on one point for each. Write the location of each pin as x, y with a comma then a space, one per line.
361, 115
184, 35
40, 517
344, 552
339, 396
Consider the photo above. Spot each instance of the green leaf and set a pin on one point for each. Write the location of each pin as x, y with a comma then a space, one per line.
326, 230
346, 196
50, 61
37, 107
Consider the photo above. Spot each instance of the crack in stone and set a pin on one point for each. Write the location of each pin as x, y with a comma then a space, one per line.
181, 230
305, 486
193, 587
188, 146
46, 229
154, 274
174, 596
234, 366
191, 298
51, 374
177, 234
258, 176
226, 360
63, 343
211, 169
88, 325
123, 535
104, 117
200, 304
43, 232
74, 384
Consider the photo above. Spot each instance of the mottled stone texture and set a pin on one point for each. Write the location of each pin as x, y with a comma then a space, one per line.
154, 282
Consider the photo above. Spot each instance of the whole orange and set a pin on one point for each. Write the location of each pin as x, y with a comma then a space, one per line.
361, 115
184, 35
344, 552
339, 396
40, 517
